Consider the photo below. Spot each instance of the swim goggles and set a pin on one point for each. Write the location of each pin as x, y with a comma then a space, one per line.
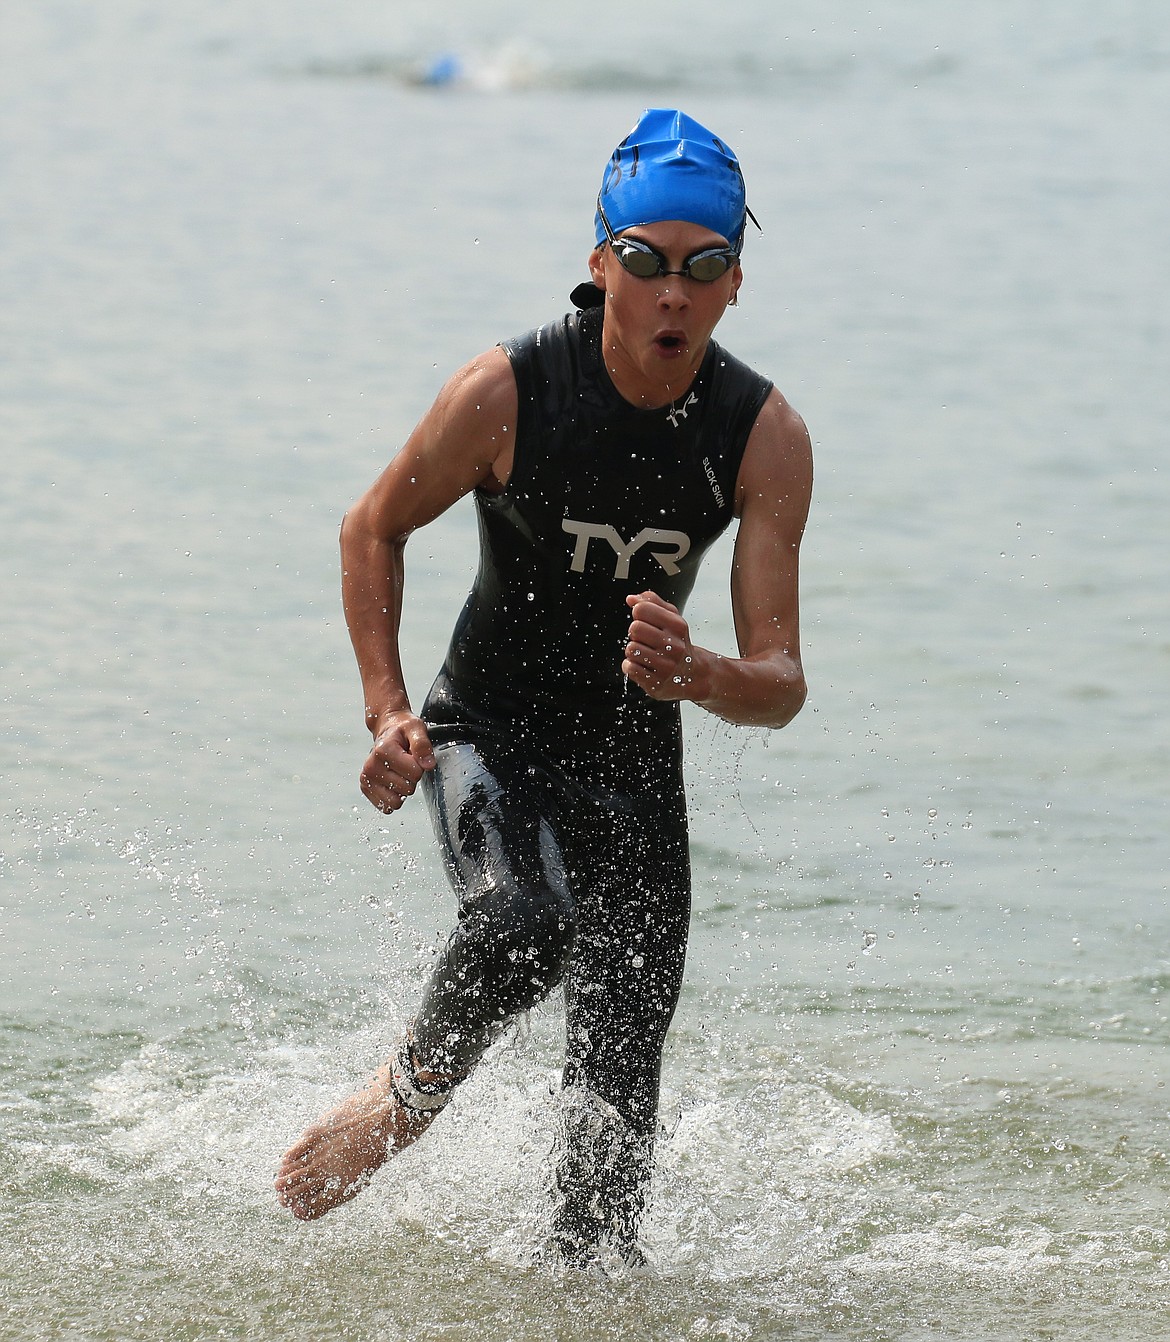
640, 259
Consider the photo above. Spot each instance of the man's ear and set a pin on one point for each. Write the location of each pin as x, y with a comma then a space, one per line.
736, 281
596, 269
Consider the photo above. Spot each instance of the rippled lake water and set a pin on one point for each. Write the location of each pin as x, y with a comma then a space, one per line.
917, 1083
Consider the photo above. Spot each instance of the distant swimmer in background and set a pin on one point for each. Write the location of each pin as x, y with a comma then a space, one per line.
515, 65
606, 452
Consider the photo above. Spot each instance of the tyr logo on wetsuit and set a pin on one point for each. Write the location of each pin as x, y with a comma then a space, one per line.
677, 412
678, 541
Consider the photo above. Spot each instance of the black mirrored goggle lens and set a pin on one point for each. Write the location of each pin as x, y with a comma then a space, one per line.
640, 260
709, 266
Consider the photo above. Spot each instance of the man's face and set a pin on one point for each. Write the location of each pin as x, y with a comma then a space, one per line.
656, 330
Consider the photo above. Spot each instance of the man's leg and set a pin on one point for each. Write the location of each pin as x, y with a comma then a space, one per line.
517, 918
516, 929
335, 1157
620, 995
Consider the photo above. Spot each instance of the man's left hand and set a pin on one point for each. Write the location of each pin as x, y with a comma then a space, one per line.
659, 655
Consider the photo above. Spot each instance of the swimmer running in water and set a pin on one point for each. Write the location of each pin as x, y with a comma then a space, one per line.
606, 452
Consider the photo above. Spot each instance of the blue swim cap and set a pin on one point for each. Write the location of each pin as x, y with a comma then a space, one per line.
670, 167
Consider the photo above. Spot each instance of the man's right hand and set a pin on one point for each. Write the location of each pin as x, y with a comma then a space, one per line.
402, 753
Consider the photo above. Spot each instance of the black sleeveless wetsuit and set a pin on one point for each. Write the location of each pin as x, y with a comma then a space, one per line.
557, 794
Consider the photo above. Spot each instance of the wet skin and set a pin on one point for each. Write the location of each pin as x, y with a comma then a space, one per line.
336, 1156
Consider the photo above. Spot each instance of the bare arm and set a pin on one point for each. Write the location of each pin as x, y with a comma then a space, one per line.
764, 686
465, 440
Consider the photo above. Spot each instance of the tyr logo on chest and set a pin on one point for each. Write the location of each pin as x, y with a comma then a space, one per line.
673, 545
677, 412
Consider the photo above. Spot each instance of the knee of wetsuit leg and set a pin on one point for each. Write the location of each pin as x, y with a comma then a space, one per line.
530, 931
544, 934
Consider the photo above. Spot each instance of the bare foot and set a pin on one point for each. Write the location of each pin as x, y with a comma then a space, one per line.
335, 1157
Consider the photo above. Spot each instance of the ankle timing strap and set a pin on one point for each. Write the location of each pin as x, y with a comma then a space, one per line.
409, 1091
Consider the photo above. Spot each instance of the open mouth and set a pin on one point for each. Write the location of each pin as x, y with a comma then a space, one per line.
669, 342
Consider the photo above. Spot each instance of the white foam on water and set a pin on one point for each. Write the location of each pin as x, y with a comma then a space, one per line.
768, 1177
953, 1248
781, 1196
69, 1158
737, 1178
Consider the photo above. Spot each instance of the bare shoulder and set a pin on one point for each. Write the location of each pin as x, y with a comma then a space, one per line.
485, 384
463, 442
777, 462
475, 412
